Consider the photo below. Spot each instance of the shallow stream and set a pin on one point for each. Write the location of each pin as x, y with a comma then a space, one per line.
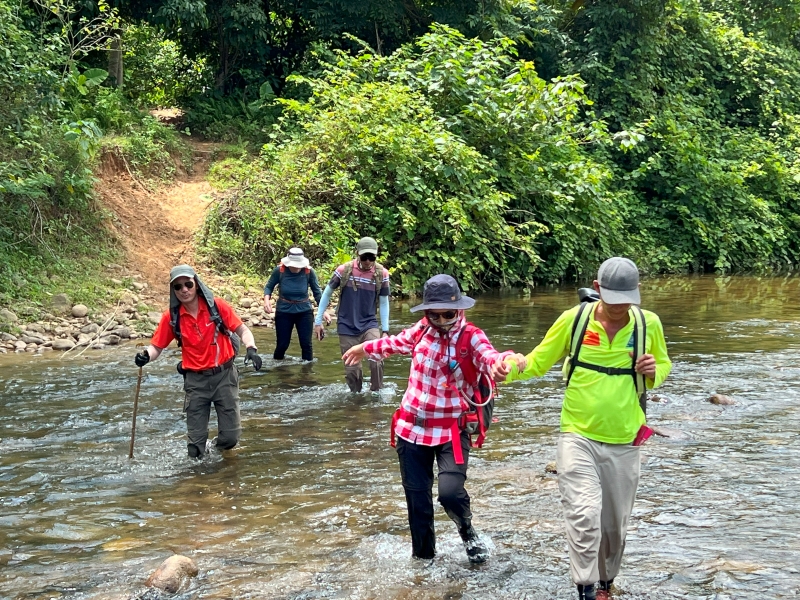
310, 505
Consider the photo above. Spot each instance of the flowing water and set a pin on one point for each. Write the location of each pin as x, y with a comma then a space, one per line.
310, 505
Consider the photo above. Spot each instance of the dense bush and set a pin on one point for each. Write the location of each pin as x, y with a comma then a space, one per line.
455, 155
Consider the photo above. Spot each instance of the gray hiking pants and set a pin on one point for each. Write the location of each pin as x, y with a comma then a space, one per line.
353, 375
221, 389
598, 487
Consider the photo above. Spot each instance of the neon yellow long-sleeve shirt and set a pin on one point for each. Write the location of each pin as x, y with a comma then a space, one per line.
600, 407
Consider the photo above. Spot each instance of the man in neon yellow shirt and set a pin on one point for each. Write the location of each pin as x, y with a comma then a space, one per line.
598, 465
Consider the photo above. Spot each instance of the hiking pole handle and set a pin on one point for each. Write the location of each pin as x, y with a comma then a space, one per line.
135, 409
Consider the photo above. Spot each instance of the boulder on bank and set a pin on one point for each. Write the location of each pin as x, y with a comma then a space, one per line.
6, 316
65, 344
61, 304
80, 310
171, 574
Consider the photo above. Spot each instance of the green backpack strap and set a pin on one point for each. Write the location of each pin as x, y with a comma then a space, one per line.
579, 326
639, 349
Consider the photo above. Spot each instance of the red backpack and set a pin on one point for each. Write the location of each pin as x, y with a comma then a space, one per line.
478, 410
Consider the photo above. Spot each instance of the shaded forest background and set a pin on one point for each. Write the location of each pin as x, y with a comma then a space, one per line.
508, 142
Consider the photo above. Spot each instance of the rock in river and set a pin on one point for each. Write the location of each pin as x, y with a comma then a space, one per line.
721, 399
171, 574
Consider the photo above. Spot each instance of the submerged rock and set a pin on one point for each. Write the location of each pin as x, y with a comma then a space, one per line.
721, 399
171, 574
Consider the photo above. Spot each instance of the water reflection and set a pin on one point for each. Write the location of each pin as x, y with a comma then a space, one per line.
310, 504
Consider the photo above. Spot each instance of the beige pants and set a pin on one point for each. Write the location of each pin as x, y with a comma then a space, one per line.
598, 487
353, 375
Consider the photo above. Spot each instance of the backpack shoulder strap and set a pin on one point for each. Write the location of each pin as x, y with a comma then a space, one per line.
576, 341
639, 347
346, 273
175, 323
377, 278
464, 354
281, 271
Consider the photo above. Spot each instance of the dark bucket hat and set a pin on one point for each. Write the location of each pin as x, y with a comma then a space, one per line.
441, 292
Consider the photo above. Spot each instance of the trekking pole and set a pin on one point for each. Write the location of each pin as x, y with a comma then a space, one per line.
135, 408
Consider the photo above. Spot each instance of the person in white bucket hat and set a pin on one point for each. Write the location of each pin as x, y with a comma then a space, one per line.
293, 310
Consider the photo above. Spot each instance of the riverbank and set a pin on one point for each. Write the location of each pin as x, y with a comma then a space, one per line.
153, 225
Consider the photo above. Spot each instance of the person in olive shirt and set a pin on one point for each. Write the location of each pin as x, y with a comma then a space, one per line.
294, 277
598, 465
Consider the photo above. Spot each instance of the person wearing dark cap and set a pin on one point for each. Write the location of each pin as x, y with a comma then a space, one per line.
614, 351
293, 310
208, 332
430, 423
364, 284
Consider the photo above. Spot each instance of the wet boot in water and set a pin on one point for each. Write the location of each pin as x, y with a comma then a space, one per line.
586, 592
476, 551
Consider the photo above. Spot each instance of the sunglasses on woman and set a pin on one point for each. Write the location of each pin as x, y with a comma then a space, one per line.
441, 316
179, 286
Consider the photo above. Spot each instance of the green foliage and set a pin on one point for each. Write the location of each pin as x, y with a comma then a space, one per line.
454, 154
157, 71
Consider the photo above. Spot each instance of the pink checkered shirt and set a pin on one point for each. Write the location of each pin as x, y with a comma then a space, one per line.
433, 389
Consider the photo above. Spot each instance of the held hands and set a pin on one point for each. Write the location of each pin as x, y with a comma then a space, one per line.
354, 356
502, 368
142, 358
646, 365
319, 331
252, 356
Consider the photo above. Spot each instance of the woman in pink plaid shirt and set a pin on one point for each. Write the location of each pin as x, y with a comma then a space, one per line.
428, 420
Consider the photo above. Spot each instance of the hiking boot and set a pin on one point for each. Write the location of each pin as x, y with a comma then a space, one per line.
477, 552
604, 589
586, 592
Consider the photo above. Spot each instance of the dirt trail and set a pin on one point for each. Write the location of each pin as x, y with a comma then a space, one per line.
157, 228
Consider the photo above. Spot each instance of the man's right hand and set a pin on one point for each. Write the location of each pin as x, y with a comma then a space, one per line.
319, 331
142, 358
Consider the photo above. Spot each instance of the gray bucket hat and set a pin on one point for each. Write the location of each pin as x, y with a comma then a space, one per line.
442, 292
619, 281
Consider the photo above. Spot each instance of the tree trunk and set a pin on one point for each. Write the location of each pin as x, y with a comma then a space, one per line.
115, 62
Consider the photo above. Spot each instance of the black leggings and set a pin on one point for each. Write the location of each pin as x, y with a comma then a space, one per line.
416, 470
284, 322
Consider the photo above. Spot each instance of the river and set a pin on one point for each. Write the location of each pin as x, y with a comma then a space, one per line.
310, 505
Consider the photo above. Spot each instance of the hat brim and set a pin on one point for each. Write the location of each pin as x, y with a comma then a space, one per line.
364, 251
186, 273
620, 296
462, 303
289, 261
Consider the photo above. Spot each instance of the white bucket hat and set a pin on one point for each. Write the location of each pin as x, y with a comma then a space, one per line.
295, 258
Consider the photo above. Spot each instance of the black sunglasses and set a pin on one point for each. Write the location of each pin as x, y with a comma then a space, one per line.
443, 316
367, 257
178, 286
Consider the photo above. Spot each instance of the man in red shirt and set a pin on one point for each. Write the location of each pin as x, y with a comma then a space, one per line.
208, 332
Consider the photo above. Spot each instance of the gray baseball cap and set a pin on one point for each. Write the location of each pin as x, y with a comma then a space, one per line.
619, 281
181, 271
367, 245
